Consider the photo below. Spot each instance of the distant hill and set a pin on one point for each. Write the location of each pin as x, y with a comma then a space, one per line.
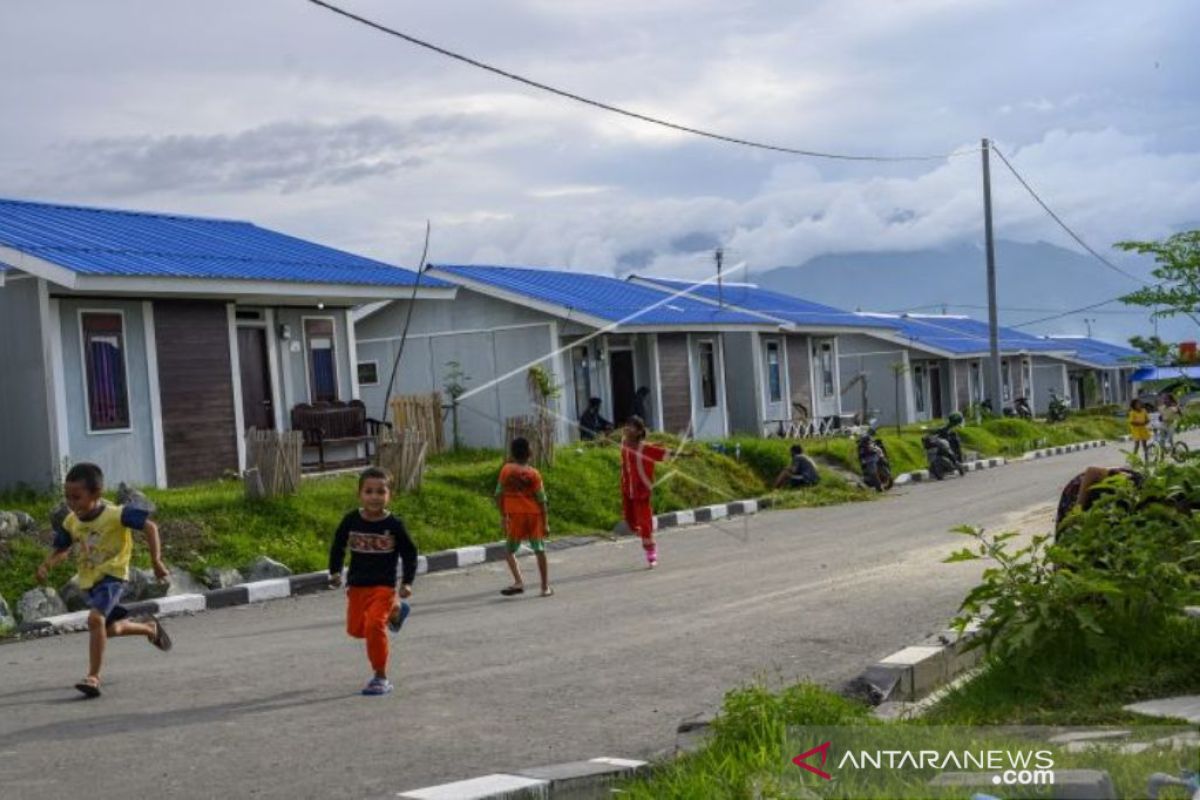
1029, 276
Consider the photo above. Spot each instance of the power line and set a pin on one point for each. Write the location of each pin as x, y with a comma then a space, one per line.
1062, 224
1066, 313
623, 111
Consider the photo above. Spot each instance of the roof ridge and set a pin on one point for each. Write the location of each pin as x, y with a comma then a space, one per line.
126, 211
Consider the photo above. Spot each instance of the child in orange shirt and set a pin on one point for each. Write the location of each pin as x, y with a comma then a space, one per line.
637, 481
521, 499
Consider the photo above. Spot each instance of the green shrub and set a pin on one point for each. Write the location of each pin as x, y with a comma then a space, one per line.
1117, 572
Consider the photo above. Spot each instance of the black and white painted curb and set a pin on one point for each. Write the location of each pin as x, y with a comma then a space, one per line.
308, 583
1047, 452
576, 779
923, 475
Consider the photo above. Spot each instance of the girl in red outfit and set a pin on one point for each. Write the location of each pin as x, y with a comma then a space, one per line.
637, 481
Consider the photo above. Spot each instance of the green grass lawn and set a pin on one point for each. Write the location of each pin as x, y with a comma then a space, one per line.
212, 524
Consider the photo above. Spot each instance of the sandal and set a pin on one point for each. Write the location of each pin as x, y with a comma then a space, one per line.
512, 590
89, 687
547, 592
161, 639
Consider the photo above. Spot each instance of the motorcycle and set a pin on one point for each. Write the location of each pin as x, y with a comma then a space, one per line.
873, 461
1059, 408
1020, 409
942, 453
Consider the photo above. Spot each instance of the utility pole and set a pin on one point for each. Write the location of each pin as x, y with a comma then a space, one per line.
1088, 322
994, 380
720, 255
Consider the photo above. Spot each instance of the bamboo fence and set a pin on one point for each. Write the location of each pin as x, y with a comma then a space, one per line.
421, 413
272, 462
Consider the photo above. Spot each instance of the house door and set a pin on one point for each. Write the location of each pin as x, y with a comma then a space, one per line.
257, 409
623, 384
935, 390
825, 379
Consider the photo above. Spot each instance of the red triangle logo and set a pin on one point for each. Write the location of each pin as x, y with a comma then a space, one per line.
801, 760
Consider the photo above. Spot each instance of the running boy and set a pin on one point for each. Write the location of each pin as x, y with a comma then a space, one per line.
377, 542
101, 532
522, 503
637, 481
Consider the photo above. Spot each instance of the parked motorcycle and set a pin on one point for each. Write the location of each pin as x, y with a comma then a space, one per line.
1021, 409
1059, 408
873, 461
943, 449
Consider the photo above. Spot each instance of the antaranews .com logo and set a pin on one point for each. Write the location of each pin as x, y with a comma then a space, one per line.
1009, 767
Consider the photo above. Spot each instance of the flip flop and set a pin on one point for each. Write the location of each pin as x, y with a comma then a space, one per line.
547, 592
512, 590
161, 639
89, 689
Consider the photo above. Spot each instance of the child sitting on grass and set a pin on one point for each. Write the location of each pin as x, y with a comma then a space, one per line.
101, 532
521, 499
377, 541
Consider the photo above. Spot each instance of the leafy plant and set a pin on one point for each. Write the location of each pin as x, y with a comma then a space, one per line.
1120, 570
454, 382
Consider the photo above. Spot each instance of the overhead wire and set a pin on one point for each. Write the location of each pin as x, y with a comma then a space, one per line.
1079, 240
545, 87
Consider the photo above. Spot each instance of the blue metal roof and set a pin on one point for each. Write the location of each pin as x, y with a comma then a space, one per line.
1100, 353
1165, 373
963, 335
774, 304
601, 296
112, 243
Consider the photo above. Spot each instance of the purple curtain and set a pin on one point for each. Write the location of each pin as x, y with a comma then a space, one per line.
107, 392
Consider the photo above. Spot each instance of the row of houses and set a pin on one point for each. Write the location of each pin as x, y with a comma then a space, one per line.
149, 343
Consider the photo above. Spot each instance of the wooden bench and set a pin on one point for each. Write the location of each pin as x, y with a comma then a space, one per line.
330, 424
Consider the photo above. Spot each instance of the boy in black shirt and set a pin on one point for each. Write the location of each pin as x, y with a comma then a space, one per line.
377, 541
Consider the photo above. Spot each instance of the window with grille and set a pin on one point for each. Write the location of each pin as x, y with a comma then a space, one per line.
104, 364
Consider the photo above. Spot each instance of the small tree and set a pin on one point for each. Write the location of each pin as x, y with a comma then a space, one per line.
1177, 272
453, 381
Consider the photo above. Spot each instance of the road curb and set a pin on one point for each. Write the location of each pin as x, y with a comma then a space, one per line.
922, 475
914, 672
312, 582
575, 779
1048, 452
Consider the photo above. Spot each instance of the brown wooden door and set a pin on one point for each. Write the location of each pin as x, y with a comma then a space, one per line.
257, 408
196, 389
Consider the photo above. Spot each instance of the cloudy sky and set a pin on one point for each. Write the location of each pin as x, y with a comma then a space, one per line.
283, 113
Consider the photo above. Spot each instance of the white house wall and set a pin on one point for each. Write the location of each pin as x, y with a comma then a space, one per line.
488, 338
859, 354
126, 456
1048, 376
25, 431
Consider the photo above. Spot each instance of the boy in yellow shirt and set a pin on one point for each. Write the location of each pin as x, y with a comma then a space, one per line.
101, 534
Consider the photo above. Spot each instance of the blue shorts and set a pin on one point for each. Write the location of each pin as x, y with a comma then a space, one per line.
105, 597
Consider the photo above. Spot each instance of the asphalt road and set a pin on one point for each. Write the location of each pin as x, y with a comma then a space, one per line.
262, 701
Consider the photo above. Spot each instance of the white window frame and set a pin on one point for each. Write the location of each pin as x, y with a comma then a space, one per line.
833, 378
337, 378
83, 361
373, 362
779, 366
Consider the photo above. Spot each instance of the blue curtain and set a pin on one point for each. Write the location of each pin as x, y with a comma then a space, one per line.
107, 393
324, 380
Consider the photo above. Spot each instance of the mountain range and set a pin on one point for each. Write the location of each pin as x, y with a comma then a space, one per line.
1034, 281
